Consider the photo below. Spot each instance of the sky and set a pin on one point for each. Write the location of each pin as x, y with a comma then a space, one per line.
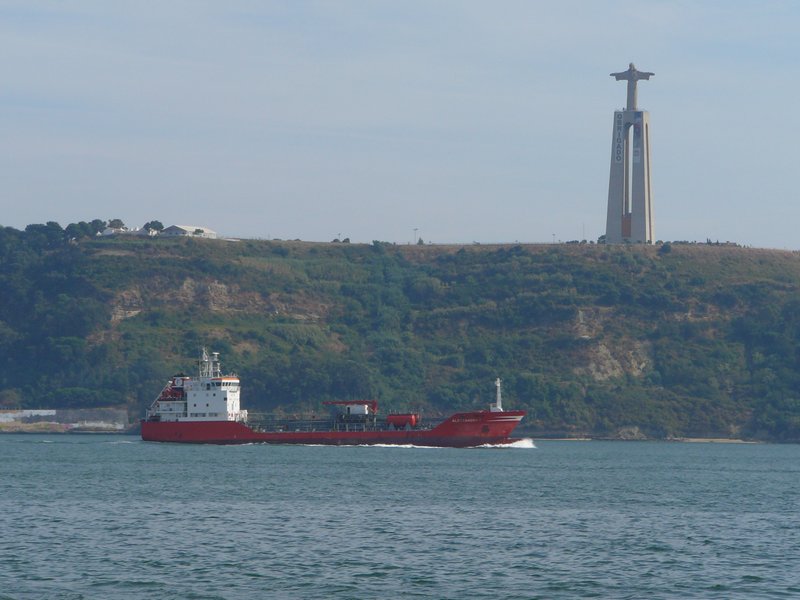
454, 121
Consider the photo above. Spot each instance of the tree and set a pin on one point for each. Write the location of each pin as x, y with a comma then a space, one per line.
78, 230
154, 226
45, 236
116, 224
97, 226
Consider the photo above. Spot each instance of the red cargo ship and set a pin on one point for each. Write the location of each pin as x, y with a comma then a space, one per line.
205, 410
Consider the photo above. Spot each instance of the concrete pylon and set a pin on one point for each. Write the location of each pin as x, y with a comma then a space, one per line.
630, 193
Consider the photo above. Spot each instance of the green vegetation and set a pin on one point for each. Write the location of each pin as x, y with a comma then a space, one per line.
673, 340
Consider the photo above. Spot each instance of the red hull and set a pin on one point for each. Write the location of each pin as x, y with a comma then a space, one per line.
459, 431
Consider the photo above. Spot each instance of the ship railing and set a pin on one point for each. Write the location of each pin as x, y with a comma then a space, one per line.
166, 394
265, 422
305, 423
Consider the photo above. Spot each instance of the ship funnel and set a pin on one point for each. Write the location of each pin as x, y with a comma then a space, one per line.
498, 403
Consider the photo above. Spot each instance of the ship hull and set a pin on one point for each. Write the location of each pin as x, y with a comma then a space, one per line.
459, 431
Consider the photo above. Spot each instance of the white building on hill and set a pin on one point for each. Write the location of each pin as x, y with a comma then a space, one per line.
189, 230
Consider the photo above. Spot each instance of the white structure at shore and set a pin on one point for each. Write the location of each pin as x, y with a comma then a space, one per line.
107, 420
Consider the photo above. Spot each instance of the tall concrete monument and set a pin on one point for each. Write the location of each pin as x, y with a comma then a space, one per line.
630, 197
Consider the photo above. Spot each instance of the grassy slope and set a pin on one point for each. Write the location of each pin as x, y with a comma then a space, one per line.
698, 341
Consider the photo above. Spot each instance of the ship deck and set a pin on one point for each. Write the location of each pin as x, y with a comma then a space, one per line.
270, 423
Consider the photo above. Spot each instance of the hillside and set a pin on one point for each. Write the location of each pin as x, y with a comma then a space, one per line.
617, 341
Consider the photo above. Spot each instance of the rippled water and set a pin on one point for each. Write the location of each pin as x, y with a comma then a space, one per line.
113, 517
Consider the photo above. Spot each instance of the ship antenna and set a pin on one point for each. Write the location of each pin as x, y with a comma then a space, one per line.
498, 403
216, 371
204, 366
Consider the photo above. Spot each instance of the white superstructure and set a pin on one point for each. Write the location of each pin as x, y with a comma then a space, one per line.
210, 396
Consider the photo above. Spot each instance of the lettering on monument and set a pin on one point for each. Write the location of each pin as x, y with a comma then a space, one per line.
619, 137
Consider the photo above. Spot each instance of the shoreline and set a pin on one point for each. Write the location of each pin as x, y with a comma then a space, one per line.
700, 440
66, 430
684, 440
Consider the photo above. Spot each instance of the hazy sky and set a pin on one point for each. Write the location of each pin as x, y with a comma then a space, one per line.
468, 120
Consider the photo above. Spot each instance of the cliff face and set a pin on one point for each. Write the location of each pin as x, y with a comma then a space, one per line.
685, 341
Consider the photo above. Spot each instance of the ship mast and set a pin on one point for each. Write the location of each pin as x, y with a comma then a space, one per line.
498, 402
209, 366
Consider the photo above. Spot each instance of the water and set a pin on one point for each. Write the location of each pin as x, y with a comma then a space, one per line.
113, 517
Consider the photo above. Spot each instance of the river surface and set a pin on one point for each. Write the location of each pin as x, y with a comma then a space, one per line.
97, 516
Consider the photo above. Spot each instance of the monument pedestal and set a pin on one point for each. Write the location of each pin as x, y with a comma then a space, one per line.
630, 205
